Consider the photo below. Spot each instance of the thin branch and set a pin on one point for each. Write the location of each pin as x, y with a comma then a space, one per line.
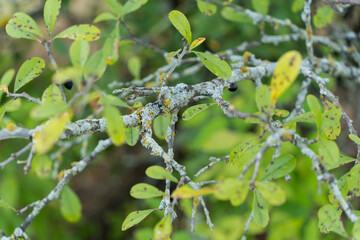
15, 155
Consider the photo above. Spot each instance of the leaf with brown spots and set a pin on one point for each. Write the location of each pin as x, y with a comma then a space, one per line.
330, 220
135, 217
87, 32
145, 191
271, 192
195, 110
330, 123
163, 229
279, 167
232, 189
260, 210
262, 99
242, 154
329, 153
197, 42
206, 8
29, 70
285, 73
22, 25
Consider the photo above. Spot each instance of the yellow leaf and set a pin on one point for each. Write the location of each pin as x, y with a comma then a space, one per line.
51, 132
4, 88
286, 71
187, 192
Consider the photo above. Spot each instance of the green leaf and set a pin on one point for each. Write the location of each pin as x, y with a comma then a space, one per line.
111, 46
195, 110
187, 192
305, 117
260, 211
114, 5
196, 42
4, 204
14, 105
113, 100
160, 125
145, 191
51, 12
134, 65
115, 126
3, 110
29, 70
342, 184
6, 79
48, 110
42, 165
271, 192
163, 229
353, 181
158, 172
70, 205
134, 218
323, 16
286, 71
131, 6
95, 66
79, 52
87, 32
180, 22
132, 135
356, 230
244, 153
281, 113
22, 25
330, 123
297, 5
105, 16
230, 14
262, 98
355, 138
67, 73
52, 94
330, 220
315, 108
279, 167
217, 66
261, 6
206, 7
232, 189
329, 153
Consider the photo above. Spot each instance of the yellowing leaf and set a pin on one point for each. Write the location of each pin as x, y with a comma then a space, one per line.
206, 7
22, 25
163, 229
197, 42
180, 22
115, 126
5, 81
187, 192
216, 65
285, 73
271, 192
50, 133
330, 220
87, 32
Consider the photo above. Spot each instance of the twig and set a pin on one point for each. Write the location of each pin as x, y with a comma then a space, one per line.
15, 155
24, 95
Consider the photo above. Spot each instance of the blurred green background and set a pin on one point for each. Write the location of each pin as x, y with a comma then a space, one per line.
104, 186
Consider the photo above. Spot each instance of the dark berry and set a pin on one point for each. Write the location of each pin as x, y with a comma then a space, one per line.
68, 84
233, 87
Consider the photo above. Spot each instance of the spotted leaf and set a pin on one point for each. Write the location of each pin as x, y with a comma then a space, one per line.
22, 25
87, 32
330, 220
134, 218
29, 70
285, 73
145, 191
